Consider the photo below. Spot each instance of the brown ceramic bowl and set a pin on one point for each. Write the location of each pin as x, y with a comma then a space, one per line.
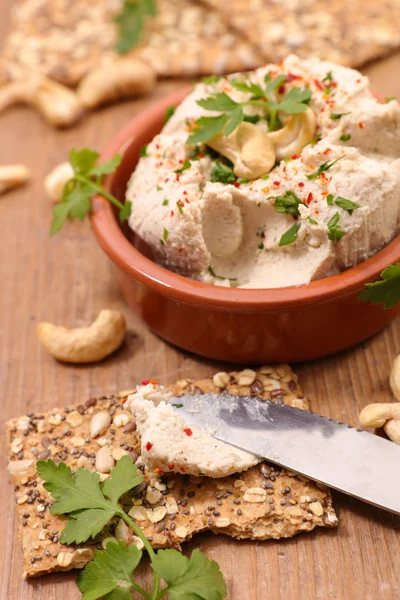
239, 325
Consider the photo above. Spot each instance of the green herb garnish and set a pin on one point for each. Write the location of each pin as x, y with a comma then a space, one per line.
328, 77
329, 199
165, 234
288, 203
390, 99
180, 207
386, 291
222, 173
143, 151
168, 113
232, 114
348, 205
211, 79
324, 167
178, 405
310, 220
186, 165
213, 273
131, 22
290, 235
165, 202
90, 506
336, 116
345, 137
335, 232
85, 183
159, 188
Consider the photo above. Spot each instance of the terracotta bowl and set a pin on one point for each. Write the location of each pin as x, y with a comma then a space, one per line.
237, 325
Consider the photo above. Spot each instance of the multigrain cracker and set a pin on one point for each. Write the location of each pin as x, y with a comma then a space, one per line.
65, 41
350, 32
262, 503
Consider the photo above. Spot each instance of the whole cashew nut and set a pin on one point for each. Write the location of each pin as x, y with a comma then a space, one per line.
12, 176
298, 131
383, 415
249, 148
124, 78
55, 181
84, 344
58, 104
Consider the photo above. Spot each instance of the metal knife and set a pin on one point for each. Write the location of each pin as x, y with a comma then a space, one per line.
353, 461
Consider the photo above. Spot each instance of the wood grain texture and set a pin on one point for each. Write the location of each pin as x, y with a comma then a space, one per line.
67, 279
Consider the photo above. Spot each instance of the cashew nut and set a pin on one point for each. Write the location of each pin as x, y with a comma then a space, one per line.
12, 176
58, 104
395, 377
84, 344
124, 78
383, 415
297, 132
249, 148
55, 181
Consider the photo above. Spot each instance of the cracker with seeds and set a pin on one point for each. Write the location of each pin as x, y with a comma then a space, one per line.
262, 503
350, 32
65, 41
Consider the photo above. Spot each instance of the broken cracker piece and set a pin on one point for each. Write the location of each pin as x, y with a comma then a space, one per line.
187, 500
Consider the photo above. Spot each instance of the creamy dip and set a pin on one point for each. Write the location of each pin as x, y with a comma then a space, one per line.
231, 233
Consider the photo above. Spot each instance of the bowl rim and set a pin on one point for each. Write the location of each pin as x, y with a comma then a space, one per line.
137, 266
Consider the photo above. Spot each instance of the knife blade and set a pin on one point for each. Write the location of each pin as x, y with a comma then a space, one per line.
351, 460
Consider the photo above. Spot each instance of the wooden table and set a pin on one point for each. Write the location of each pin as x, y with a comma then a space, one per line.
67, 280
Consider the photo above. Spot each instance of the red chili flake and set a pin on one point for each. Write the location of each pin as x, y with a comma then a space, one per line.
292, 77
188, 431
361, 125
184, 192
183, 469
327, 151
295, 157
317, 212
236, 184
181, 250
309, 198
277, 183
318, 83
124, 399
158, 471
158, 146
281, 88
171, 466
172, 213
301, 184
145, 381
149, 446
325, 193
166, 180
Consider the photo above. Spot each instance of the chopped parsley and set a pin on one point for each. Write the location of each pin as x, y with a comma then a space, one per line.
335, 232
264, 177
348, 205
260, 246
324, 167
328, 77
329, 199
315, 139
168, 113
159, 188
222, 173
390, 99
345, 137
178, 405
336, 116
290, 235
143, 151
165, 202
165, 234
186, 165
180, 207
243, 180
213, 273
288, 203
310, 220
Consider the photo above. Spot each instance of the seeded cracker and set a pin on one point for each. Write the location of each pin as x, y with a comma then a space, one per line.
65, 40
350, 32
264, 502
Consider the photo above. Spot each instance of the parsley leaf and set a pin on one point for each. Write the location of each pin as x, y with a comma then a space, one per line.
390, 99
220, 101
335, 232
168, 113
336, 116
295, 101
131, 21
245, 85
186, 165
143, 151
207, 128
211, 79
196, 577
345, 137
288, 203
75, 201
348, 205
290, 235
213, 273
324, 167
273, 84
222, 173
108, 571
328, 77
386, 291
329, 199
81, 496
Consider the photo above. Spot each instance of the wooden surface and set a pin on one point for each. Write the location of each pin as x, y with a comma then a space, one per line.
67, 279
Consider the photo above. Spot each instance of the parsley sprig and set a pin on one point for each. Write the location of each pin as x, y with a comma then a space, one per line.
131, 22
386, 290
85, 183
232, 113
90, 506
322, 168
288, 203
